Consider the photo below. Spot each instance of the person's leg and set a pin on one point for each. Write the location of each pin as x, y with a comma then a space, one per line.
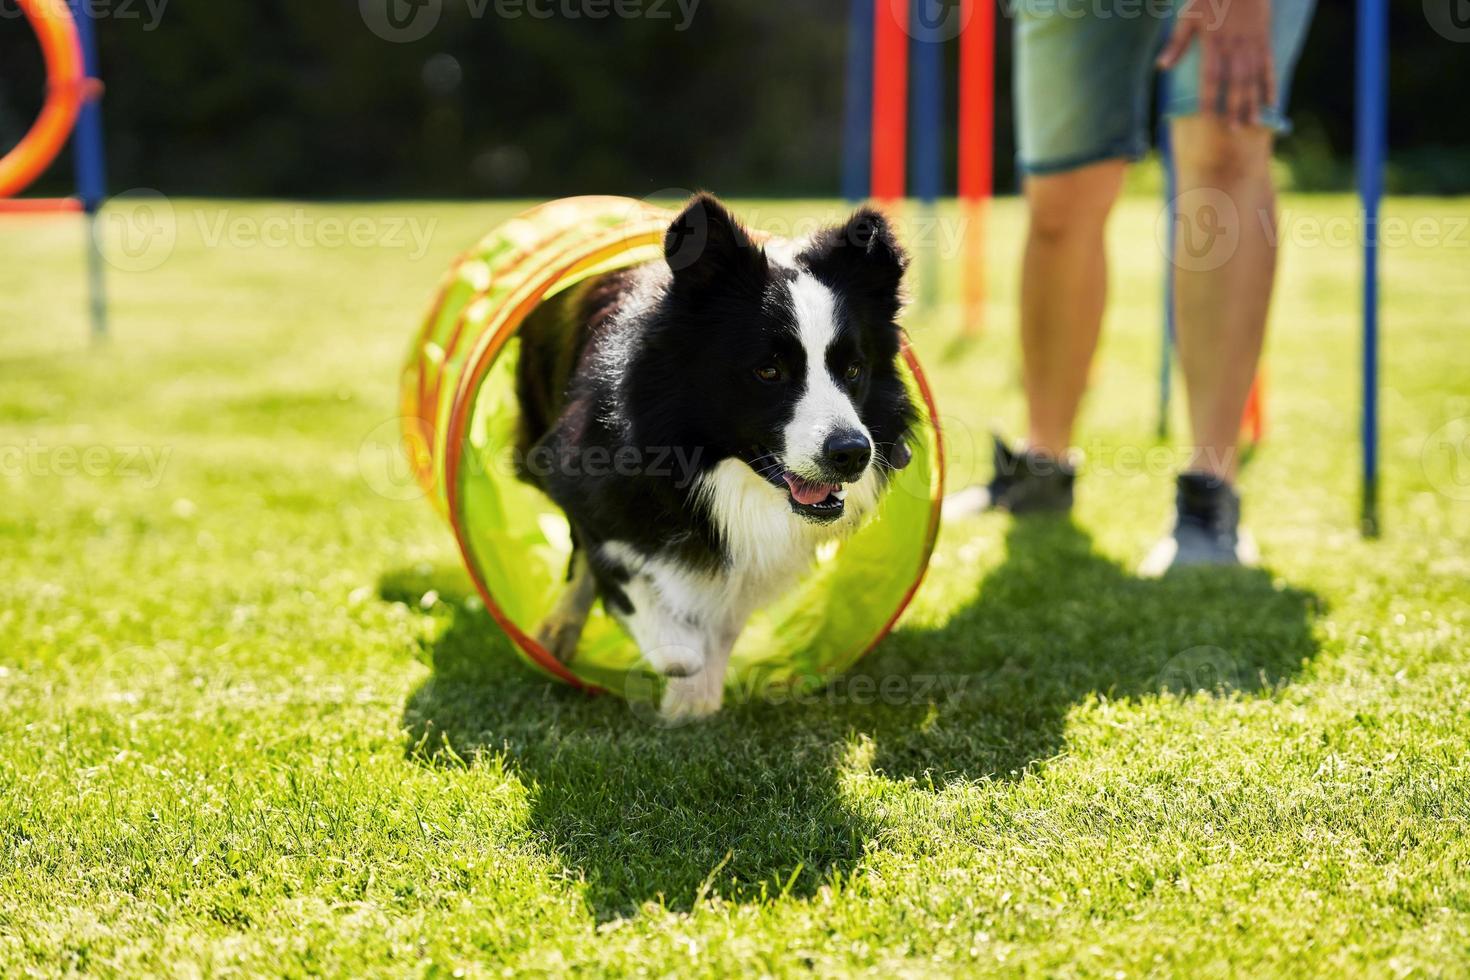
1063, 291
1081, 98
1222, 277
1225, 262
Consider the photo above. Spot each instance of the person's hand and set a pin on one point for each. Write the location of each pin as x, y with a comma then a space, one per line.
1237, 76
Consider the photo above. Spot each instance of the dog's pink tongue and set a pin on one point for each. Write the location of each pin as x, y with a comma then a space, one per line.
806, 492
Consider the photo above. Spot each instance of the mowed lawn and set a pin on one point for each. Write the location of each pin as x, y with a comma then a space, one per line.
253, 721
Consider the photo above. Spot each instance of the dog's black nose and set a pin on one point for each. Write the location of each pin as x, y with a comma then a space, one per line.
846, 453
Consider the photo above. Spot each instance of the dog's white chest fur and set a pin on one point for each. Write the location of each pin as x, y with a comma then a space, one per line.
767, 546
685, 619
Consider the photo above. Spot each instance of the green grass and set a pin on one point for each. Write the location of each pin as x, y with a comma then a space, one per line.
251, 720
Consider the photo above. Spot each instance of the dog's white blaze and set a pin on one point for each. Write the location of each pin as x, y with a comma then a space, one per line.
823, 406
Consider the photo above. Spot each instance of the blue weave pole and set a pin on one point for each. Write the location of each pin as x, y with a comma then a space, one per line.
89, 164
1166, 341
857, 103
1372, 113
926, 114
926, 106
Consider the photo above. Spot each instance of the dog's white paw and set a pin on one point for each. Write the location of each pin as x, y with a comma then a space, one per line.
675, 660
692, 698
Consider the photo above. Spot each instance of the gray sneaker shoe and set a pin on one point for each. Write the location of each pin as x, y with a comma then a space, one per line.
1206, 531
1024, 483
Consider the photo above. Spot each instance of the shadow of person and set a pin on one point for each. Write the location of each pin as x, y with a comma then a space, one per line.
750, 803
1056, 624
640, 813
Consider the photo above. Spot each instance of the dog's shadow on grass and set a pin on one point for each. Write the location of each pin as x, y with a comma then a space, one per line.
750, 804
641, 813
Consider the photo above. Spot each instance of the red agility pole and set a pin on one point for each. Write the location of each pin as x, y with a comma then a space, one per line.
976, 149
890, 99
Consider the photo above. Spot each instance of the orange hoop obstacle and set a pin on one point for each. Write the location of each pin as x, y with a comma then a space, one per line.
66, 87
64, 30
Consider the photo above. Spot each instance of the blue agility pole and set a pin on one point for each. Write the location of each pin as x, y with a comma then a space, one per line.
857, 105
1166, 341
88, 159
927, 105
926, 110
1372, 112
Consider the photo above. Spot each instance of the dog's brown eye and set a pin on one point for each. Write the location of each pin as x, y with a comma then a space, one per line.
854, 371
768, 372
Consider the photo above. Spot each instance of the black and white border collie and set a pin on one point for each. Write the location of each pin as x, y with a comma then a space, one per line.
707, 421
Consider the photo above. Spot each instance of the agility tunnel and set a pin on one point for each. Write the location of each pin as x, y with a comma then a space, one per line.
460, 418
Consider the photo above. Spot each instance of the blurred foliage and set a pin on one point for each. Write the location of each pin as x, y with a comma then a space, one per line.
278, 98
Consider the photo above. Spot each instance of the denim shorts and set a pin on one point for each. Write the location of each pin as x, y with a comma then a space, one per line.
1083, 69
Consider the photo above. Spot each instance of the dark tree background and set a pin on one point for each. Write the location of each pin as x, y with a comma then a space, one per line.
301, 98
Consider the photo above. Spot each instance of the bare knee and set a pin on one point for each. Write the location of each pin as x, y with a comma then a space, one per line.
1074, 204
1211, 153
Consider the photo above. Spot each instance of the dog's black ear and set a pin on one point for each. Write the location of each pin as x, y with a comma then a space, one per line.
706, 247
862, 258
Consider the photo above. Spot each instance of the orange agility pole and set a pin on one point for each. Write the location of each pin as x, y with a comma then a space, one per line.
65, 89
1254, 420
39, 205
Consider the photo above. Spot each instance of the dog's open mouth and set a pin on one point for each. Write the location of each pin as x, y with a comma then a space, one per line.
822, 501
814, 500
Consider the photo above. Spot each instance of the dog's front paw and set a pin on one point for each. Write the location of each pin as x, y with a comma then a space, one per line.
560, 636
692, 698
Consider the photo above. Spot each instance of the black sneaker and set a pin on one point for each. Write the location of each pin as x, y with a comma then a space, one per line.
1206, 529
1024, 483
